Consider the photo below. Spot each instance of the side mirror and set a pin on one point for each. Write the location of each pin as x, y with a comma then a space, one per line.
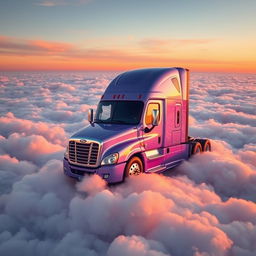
155, 114
90, 115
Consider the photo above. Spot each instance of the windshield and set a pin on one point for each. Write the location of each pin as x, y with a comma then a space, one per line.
119, 112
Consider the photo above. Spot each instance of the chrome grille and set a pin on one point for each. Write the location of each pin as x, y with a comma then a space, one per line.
83, 153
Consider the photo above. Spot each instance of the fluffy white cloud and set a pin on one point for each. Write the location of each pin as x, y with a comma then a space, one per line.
12, 170
148, 215
205, 207
11, 124
135, 245
231, 175
34, 148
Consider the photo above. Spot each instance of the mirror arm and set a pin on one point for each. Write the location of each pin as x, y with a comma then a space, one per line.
147, 130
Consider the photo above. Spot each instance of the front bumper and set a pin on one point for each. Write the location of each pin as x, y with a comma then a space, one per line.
111, 173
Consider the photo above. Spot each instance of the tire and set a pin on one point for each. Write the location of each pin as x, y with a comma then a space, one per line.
196, 148
206, 144
134, 167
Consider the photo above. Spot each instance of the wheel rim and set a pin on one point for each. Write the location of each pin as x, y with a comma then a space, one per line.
134, 169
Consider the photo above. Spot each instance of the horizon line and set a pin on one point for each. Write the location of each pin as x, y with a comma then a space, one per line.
122, 70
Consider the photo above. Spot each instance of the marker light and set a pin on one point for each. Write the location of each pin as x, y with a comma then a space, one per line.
106, 176
110, 159
66, 153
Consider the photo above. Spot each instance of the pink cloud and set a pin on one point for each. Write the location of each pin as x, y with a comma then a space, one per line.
248, 157
234, 210
204, 207
34, 148
4, 79
63, 86
14, 46
224, 170
92, 185
51, 46
146, 216
11, 124
135, 245
111, 58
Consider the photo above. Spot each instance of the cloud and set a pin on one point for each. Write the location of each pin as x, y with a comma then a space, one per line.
12, 170
118, 219
222, 167
50, 55
34, 148
52, 3
12, 46
228, 212
243, 235
62, 86
21, 47
135, 245
219, 112
206, 206
11, 124
92, 185
161, 45
59, 116
244, 134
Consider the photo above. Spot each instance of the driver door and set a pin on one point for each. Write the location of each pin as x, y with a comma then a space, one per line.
154, 138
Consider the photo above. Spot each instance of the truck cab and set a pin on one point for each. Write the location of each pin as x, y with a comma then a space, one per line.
140, 125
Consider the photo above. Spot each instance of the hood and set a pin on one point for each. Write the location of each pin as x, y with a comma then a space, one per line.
104, 132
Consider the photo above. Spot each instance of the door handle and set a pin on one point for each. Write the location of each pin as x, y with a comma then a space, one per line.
159, 139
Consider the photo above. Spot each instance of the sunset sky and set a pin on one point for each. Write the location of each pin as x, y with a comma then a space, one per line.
202, 35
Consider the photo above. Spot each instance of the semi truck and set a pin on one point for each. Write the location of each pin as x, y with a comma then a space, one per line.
140, 126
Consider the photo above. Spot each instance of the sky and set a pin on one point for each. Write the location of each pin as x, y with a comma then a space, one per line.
201, 35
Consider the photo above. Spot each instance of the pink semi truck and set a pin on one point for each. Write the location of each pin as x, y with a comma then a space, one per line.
141, 125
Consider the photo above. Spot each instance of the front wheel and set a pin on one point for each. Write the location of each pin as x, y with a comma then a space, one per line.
134, 167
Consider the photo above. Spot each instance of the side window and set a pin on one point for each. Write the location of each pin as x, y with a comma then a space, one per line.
176, 84
178, 115
178, 118
105, 112
149, 117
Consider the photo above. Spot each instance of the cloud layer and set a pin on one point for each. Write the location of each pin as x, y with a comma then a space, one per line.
204, 207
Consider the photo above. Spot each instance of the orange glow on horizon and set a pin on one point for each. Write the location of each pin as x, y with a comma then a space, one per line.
44, 63
35, 55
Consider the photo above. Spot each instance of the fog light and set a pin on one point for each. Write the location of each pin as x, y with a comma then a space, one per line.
105, 176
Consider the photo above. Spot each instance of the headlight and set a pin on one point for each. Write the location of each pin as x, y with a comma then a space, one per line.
66, 153
110, 159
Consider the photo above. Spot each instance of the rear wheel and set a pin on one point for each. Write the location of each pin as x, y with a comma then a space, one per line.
206, 144
134, 167
196, 148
